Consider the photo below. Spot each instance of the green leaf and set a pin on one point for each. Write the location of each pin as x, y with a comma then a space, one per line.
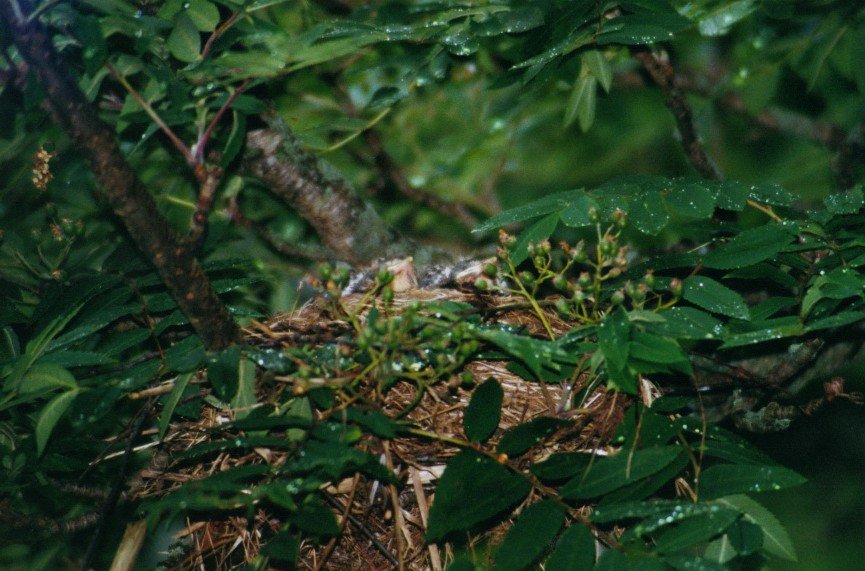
748, 248
734, 449
613, 338
775, 539
561, 465
540, 230
46, 376
770, 194
691, 199
52, 315
523, 436
840, 283
314, 518
535, 353
581, 103
223, 372
674, 515
10, 347
482, 415
285, 546
552, 203
648, 486
769, 330
69, 358
720, 550
719, 20
612, 560
732, 195
180, 384
726, 479
50, 415
599, 67
746, 537
254, 63
657, 349
577, 214
530, 536
640, 509
611, 473
688, 323
203, 14
762, 335
642, 28
334, 460
245, 397
849, 202
712, 296
648, 214
575, 550
184, 42
840, 320
491, 487
375, 421
694, 530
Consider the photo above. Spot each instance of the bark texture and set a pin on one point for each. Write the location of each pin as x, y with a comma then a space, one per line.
131, 202
346, 224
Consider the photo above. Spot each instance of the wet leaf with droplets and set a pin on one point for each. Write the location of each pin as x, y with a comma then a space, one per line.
726, 479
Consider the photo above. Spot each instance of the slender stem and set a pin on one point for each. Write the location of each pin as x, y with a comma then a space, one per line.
198, 156
663, 75
221, 29
175, 140
767, 210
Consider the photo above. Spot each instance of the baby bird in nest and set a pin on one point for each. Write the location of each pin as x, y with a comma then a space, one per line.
459, 275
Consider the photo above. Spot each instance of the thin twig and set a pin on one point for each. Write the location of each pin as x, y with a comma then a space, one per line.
175, 140
363, 529
328, 550
111, 501
198, 155
847, 148
221, 29
663, 75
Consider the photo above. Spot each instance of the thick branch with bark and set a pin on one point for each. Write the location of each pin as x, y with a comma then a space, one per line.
130, 201
346, 224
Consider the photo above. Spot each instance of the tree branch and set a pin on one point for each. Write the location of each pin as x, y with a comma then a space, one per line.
664, 77
848, 148
135, 207
345, 223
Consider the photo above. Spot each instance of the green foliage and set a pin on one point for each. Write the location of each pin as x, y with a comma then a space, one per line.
653, 271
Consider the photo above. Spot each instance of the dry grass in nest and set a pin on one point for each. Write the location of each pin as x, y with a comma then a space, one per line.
375, 535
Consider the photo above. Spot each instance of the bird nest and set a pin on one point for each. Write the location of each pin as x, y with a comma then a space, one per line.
382, 525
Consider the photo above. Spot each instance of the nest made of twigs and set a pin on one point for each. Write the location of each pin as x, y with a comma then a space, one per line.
383, 527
